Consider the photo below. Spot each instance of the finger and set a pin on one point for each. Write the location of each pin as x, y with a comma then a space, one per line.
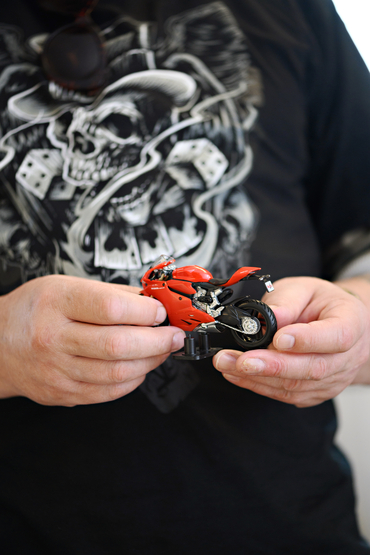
102, 372
300, 399
79, 393
103, 303
297, 385
290, 298
336, 334
128, 288
299, 392
326, 319
279, 365
119, 342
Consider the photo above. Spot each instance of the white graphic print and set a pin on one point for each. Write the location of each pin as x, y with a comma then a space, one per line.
155, 164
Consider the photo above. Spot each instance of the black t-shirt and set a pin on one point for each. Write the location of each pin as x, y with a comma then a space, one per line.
229, 133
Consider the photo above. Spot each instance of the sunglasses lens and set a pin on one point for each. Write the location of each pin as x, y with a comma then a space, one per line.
74, 57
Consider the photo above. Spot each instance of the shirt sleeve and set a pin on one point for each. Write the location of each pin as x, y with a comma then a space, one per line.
338, 178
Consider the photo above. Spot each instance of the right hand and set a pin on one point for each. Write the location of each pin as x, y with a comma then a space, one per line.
71, 341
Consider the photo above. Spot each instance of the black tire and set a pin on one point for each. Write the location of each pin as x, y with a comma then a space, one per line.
263, 313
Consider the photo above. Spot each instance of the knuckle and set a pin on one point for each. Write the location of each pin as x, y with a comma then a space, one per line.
117, 372
52, 380
318, 368
285, 395
82, 394
291, 385
114, 392
278, 367
42, 338
109, 308
115, 345
166, 344
346, 338
54, 393
163, 340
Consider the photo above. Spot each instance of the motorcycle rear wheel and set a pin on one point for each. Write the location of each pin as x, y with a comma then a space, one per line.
256, 310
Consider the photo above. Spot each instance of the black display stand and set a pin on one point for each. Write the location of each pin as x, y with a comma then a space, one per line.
192, 351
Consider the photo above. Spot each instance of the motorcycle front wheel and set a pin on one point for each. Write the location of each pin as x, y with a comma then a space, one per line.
260, 320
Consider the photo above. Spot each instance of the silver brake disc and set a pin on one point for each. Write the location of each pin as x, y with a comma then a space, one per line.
251, 326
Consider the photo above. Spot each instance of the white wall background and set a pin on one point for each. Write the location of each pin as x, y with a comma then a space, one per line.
355, 14
353, 405
353, 408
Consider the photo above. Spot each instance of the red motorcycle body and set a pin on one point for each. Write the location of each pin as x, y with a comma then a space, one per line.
176, 293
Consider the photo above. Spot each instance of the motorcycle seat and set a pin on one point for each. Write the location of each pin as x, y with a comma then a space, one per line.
207, 285
218, 281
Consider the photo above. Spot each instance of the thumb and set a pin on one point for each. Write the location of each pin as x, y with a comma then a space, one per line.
290, 299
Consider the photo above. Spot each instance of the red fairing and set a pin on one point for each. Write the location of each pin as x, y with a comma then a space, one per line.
179, 307
240, 274
192, 273
184, 287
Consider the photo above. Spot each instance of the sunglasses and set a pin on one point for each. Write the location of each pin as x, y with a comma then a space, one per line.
74, 55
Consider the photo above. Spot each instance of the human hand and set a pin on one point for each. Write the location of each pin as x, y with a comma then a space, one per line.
322, 342
62, 341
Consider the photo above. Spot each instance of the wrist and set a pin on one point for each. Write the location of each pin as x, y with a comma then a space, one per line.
359, 286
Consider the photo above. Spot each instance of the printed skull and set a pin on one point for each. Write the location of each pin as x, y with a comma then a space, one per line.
149, 144
121, 137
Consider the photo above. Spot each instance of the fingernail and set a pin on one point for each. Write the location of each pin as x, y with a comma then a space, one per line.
253, 365
285, 341
161, 315
225, 362
177, 341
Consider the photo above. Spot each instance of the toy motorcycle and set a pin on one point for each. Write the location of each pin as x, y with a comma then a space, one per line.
195, 301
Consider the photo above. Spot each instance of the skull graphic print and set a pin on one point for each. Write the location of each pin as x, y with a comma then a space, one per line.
155, 163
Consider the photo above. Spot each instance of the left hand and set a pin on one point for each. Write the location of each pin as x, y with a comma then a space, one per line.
322, 342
